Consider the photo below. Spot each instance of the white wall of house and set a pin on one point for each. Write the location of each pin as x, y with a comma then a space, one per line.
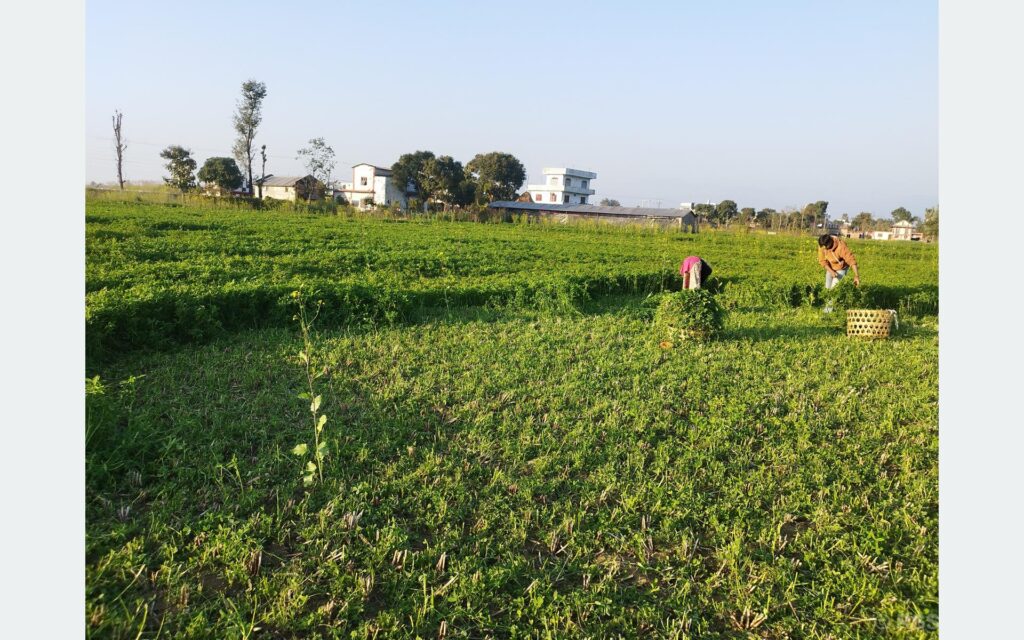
388, 192
279, 193
563, 186
367, 185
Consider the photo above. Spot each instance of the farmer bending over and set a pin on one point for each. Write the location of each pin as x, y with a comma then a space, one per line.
694, 271
836, 257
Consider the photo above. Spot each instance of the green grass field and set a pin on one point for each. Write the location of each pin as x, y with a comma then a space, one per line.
509, 451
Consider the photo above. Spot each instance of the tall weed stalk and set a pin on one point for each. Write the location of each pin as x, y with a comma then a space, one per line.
314, 467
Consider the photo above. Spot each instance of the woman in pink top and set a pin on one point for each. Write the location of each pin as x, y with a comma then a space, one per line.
694, 271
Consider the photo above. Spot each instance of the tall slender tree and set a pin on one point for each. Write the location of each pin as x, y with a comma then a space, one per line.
263, 170
247, 119
119, 146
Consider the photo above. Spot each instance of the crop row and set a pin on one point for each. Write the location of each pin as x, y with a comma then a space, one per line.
158, 275
160, 317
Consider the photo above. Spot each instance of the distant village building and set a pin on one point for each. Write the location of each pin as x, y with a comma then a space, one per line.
564, 213
293, 188
832, 227
372, 185
563, 186
902, 230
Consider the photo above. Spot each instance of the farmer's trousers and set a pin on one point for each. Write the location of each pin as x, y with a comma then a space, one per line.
830, 281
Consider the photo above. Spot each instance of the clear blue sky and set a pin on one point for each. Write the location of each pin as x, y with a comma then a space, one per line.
769, 104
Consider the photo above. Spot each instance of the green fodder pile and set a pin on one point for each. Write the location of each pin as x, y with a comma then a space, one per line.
694, 312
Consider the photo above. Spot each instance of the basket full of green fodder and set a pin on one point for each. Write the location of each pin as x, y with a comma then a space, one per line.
688, 315
869, 323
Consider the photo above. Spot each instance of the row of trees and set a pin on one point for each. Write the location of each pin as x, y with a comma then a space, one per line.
439, 180
221, 172
443, 180
811, 216
727, 212
227, 174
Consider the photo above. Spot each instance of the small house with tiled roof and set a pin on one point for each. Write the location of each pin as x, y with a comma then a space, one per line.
293, 188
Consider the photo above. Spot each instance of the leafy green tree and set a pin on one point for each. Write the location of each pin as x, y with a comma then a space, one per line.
813, 214
794, 219
441, 180
466, 194
182, 167
247, 119
498, 175
747, 215
900, 215
863, 220
930, 226
319, 160
704, 211
726, 211
764, 217
606, 202
408, 171
222, 173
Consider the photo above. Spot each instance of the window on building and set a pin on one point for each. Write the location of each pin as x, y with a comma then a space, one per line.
584, 184
362, 181
583, 199
568, 182
538, 197
553, 198
553, 180
565, 198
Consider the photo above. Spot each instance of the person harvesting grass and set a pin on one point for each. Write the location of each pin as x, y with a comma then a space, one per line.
836, 257
694, 271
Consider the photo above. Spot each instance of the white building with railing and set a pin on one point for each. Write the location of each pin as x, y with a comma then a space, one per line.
563, 186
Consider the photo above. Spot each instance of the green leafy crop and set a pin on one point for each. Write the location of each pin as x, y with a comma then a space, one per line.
508, 454
694, 311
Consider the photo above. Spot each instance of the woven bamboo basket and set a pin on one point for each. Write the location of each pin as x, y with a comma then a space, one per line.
868, 323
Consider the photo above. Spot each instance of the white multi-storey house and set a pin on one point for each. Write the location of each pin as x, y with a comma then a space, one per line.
563, 186
372, 185
902, 230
